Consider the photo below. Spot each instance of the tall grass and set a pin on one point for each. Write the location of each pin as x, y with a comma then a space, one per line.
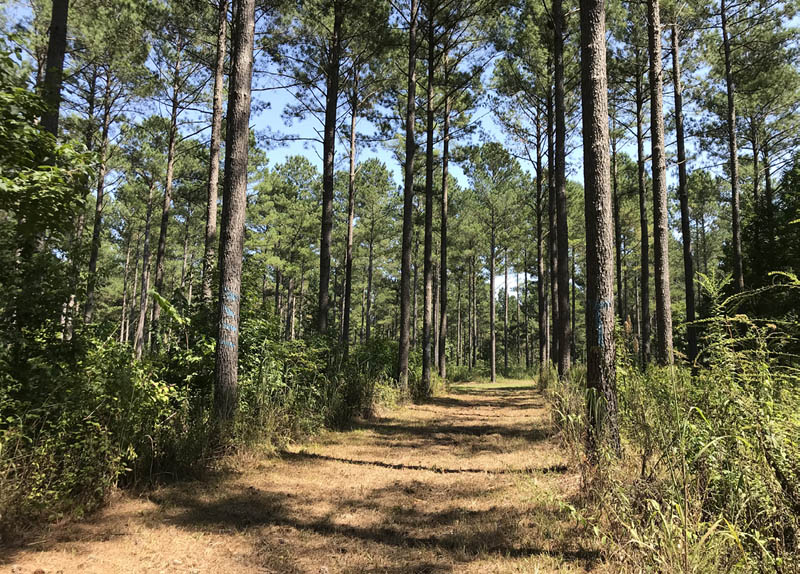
709, 480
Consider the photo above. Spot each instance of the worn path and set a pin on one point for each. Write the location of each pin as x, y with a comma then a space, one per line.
471, 482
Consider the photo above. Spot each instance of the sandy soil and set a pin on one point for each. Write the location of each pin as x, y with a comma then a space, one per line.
473, 481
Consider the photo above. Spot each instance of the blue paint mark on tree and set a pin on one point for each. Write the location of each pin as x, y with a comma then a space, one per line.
599, 308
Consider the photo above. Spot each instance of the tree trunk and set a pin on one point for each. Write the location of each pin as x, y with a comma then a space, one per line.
125, 275
552, 246
660, 214
91, 284
435, 322
600, 346
328, 157
427, 267
644, 325
683, 195
144, 295
213, 162
408, 204
165, 210
492, 305
351, 213
234, 202
443, 224
135, 284
564, 334
505, 315
369, 280
54, 73
617, 225
738, 273
541, 276
289, 335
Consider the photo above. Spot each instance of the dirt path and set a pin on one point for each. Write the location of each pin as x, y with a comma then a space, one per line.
471, 482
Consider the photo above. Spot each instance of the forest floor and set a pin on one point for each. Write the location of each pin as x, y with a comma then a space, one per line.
472, 481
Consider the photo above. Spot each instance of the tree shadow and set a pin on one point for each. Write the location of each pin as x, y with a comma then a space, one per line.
455, 534
305, 455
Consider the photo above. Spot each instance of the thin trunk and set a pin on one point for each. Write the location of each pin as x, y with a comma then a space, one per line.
289, 334
492, 306
552, 247
645, 247
213, 161
427, 266
369, 281
683, 195
600, 346
617, 225
541, 277
408, 203
572, 289
54, 72
518, 326
443, 223
767, 191
470, 321
185, 264
125, 292
91, 285
328, 157
351, 213
505, 315
361, 329
234, 202
564, 334
738, 273
165, 211
659, 166
139, 338
435, 322
132, 304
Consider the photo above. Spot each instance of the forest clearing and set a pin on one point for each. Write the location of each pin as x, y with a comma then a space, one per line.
471, 481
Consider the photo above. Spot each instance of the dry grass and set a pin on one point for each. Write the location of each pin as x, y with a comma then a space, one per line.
470, 482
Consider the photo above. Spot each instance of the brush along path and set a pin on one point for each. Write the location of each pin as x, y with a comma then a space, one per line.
472, 481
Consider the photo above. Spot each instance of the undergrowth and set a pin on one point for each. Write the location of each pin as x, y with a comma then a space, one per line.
709, 478
80, 416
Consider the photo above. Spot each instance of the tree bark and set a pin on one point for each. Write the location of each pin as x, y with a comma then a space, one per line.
644, 324
97, 227
617, 225
161, 251
369, 280
234, 202
125, 275
541, 276
328, 157
427, 267
505, 315
564, 334
144, 295
54, 72
600, 345
351, 213
408, 203
552, 247
738, 273
443, 224
659, 166
213, 162
492, 304
683, 196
